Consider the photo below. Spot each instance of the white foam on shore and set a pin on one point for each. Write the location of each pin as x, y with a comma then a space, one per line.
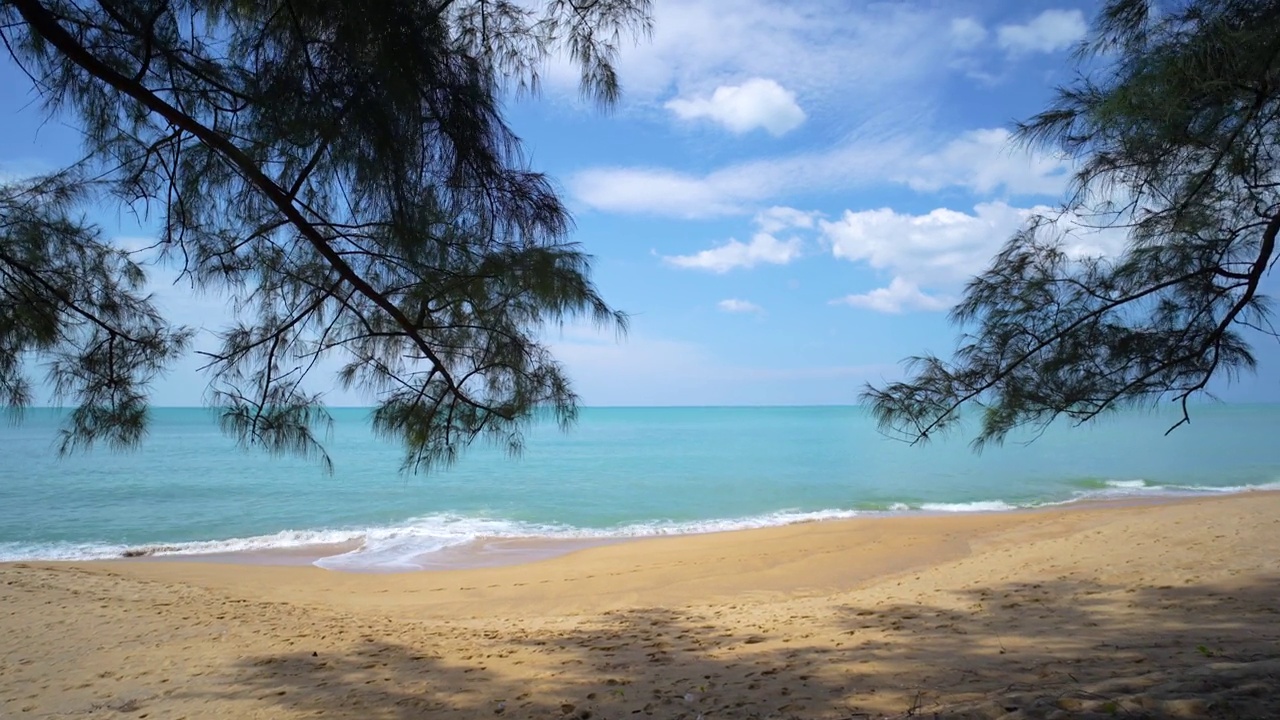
1141, 488
400, 547
978, 506
393, 547
283, 540
1127, 484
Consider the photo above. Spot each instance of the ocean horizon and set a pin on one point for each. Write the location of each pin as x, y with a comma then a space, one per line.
618, 473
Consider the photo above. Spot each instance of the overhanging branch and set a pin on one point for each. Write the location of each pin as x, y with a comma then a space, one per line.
46, 25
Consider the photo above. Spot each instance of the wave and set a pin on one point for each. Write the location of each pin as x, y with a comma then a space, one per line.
402, 546
1126, 484
395, 547
976, 506
283, 540
1113, 489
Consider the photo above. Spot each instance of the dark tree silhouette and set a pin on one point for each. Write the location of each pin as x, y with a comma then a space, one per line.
341, 171
1173, 124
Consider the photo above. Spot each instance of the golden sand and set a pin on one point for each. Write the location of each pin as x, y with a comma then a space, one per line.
1163, 610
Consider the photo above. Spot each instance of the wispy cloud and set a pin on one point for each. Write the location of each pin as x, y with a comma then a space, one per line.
967, 33
734, 305
779, 218
982, 161
1050, 31
815, 50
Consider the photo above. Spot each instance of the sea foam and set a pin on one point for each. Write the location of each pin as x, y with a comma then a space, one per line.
402, 546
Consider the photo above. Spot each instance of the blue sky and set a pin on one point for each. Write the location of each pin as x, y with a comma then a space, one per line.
786, 200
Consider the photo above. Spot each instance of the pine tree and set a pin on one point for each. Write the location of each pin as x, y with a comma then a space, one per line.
341, 171
1173, 124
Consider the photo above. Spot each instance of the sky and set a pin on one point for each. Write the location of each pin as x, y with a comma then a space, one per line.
786, 200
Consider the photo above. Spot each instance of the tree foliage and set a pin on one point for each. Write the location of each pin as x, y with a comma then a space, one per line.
341, 171
1173, 124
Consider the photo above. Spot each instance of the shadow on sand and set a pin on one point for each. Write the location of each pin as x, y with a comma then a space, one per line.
1061, 649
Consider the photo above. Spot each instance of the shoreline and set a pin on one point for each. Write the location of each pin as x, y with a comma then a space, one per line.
502, 551
482, 552
1162, 609
488, 551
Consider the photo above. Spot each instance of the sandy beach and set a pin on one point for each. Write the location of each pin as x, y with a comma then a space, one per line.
1161, 610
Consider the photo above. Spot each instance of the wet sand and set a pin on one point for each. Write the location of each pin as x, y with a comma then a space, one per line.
1155, 610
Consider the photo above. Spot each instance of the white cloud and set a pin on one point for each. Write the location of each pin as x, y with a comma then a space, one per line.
967, 33
734, 189
734, 305
763, 249
818, 49
939, 250
941, 246
664, 192
899, 296
886, 54
980, 160
1050, 31
985, 161
779, 218
756, 103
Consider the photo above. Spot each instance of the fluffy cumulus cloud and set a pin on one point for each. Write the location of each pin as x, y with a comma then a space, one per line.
1050, 31
899, 296
941, 246
930, 255
764, 248
734, 305
755, 104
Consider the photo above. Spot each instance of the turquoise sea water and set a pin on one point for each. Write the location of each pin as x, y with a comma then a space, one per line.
619, 472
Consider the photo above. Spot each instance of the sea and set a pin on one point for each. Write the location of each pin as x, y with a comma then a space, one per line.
617, 473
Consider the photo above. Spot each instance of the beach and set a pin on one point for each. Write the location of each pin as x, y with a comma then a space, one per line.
1098, 610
